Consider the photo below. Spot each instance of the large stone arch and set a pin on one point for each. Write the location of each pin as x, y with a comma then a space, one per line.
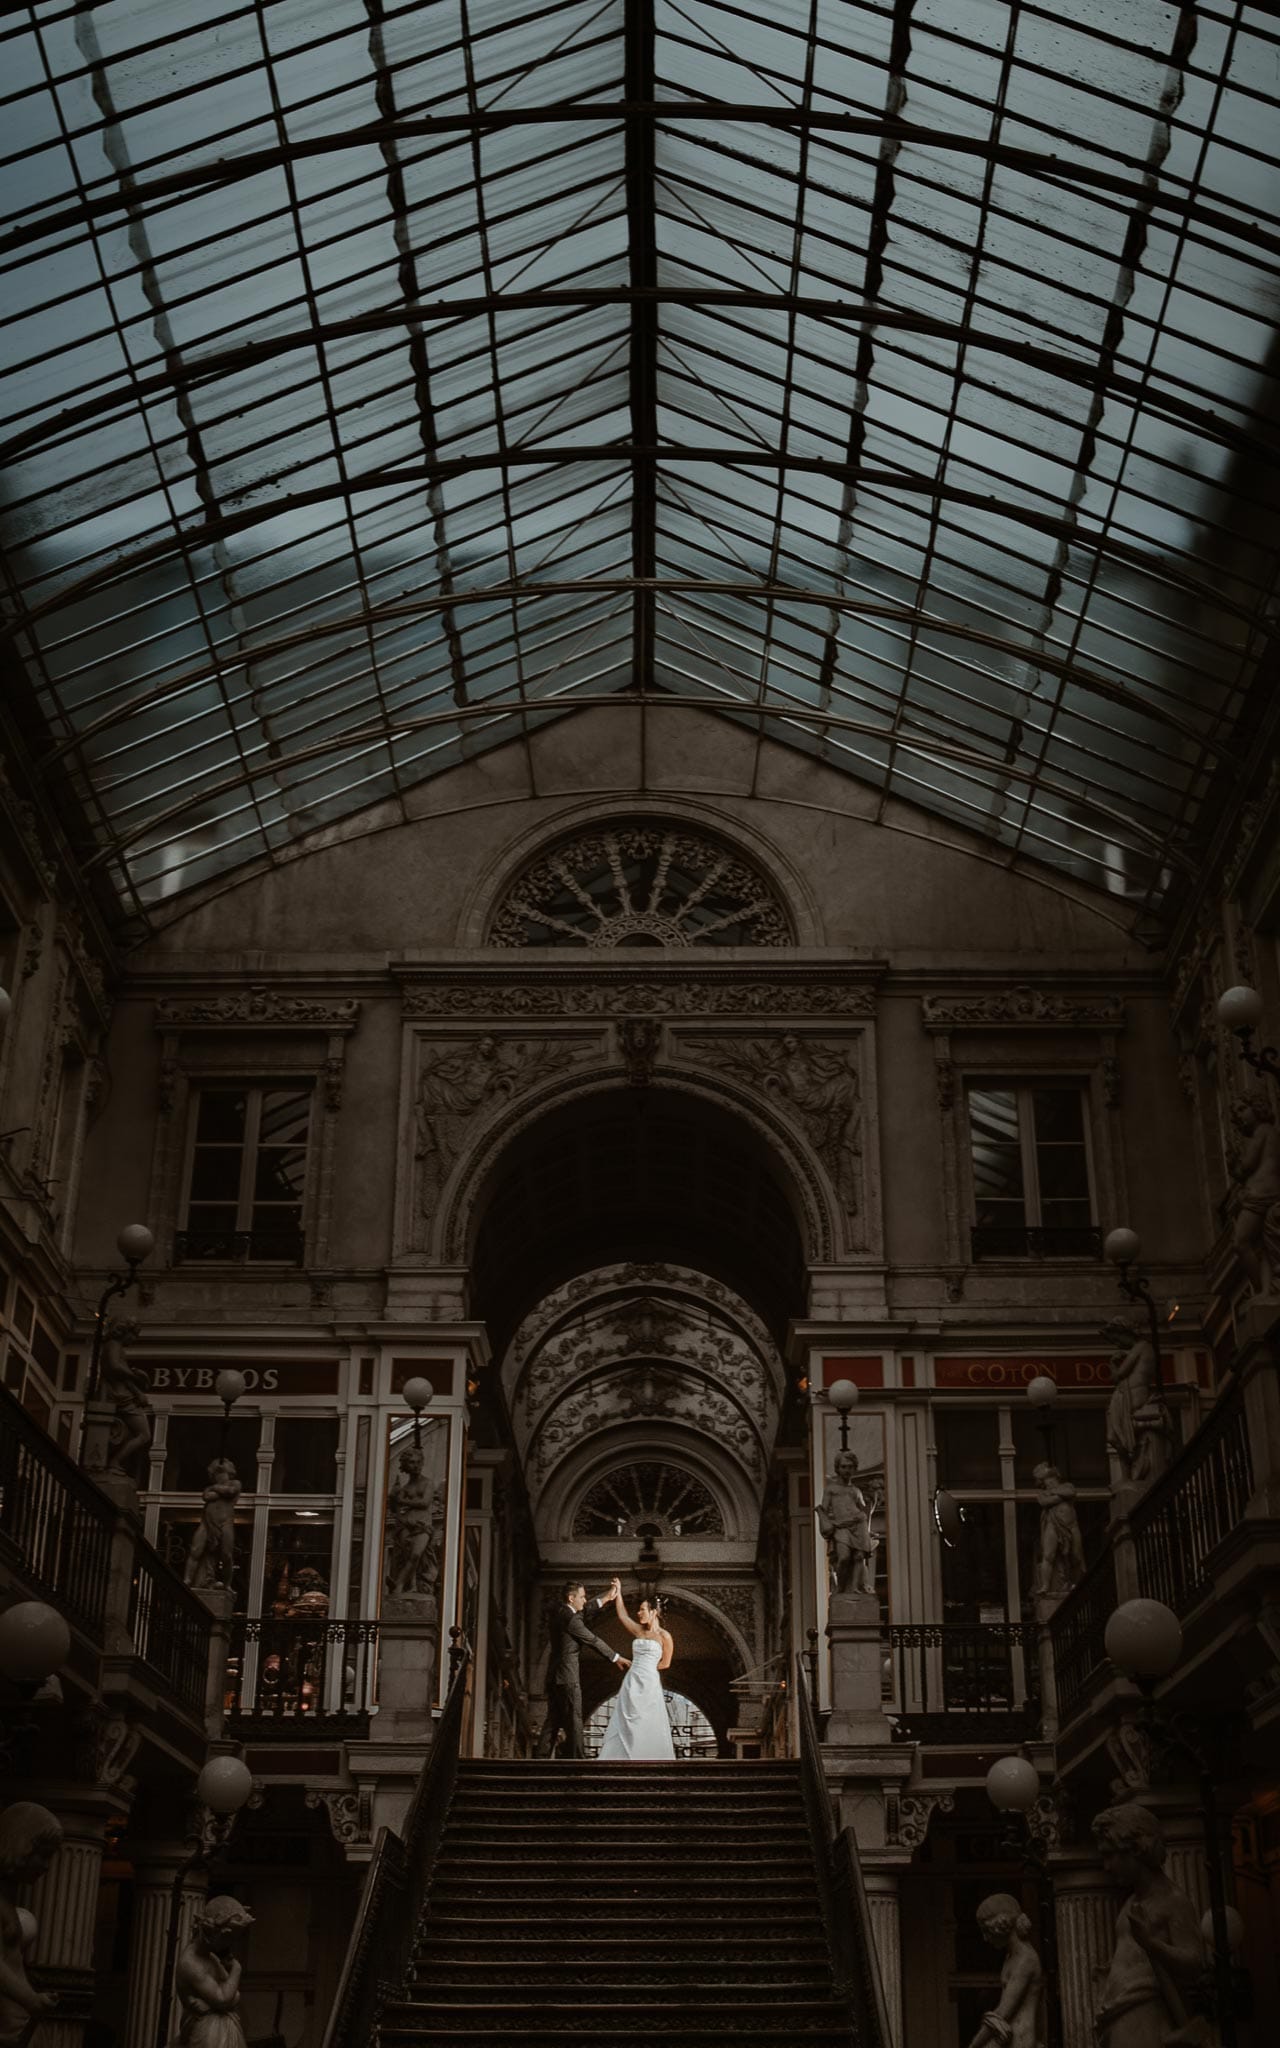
459, 1213
575, 1474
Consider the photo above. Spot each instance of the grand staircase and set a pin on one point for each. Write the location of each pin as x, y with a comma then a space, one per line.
595, 1903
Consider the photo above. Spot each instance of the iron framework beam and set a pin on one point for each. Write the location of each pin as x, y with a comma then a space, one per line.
642, 244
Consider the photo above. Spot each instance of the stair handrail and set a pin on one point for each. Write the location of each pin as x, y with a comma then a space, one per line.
395, 1887
846, 1913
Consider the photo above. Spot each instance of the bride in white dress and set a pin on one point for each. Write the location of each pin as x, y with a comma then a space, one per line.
639, 1729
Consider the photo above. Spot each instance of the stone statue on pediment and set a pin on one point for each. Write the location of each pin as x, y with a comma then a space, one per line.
1253, 1155
1014, 2021
1157, 1992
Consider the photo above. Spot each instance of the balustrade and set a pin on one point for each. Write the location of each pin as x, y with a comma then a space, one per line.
1079, 1660
949, 1681
307, 1668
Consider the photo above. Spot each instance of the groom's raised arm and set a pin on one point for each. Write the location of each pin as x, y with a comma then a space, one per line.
582, 1634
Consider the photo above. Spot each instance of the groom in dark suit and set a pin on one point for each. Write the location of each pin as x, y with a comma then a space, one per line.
569, 1637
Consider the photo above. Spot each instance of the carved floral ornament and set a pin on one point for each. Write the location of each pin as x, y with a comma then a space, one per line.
259, 1008
517, 993
641, 882
1022, 1008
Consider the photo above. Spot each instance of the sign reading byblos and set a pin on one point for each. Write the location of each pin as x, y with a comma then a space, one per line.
285, 1376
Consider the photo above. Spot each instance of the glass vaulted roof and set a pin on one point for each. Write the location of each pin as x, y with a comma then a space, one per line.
381, 380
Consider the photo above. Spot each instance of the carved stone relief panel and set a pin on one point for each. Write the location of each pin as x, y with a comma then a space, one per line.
816, 1082
461, 1086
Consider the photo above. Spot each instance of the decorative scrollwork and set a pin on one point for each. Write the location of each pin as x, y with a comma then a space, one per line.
637, 1498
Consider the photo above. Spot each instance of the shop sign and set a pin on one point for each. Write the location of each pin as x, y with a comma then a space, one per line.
287, 1376
1086, 1369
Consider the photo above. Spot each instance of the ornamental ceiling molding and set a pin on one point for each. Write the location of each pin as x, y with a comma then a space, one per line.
1023, 1008
648, 1334
605, 1284
605, 1398
259, 1008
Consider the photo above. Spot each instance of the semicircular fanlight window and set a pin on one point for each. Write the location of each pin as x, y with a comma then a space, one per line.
649, 1501
640, 883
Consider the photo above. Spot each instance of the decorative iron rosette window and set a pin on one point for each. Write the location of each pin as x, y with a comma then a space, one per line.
641, 882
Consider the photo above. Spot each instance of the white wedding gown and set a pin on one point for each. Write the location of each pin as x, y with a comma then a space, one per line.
638, 1728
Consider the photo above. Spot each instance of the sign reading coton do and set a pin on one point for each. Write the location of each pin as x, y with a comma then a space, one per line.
287, 1376
1084, 1370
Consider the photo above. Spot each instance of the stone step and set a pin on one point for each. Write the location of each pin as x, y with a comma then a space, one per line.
614, 1927
439, 1948
706, 1900
434, 1988
441, 2030
610, 1862
567, 2020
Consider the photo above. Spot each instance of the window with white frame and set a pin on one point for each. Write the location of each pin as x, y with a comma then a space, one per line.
1032, 1185
246, 1178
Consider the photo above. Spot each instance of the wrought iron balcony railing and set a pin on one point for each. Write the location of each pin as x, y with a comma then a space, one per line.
1079, 1661
963, 1682
55, 1525
1035, 1241
306, 1672
171, 1629
1187, 1515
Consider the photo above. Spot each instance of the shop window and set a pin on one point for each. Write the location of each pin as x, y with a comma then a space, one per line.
1079, 1446
248, 1173
1031, 1183
193, 1441
299, 1560
968, 1446
975, 1586
306, 1454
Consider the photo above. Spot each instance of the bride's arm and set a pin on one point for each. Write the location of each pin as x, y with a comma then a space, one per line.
631, 1627
668, 1649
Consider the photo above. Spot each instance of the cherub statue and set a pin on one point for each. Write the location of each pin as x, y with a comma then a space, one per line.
211, 1558
415, 1511
1255, 1164
30, 1837
207, 1980
844, 1518
1015, 2020
1154, 1994
1136, 1412
125, 1386
1060, 1551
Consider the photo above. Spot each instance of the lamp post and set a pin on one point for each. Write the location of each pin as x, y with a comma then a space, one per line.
229, 1388
1143, 1639
135, 1243
223, 1788
843, 1396
1013, 1787
418, 1394
1122, 1246
1042, 1394
1240, 1009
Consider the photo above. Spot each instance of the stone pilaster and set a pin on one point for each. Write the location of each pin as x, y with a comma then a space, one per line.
65, 1904
882, 1902
153, 1902
1085, 1909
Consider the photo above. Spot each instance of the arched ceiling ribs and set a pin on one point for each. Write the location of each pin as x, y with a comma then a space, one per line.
770, 713
188, 373
1109, 688
221, 173
908, 483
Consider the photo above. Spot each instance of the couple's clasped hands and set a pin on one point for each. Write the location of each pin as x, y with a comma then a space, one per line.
613, 1596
